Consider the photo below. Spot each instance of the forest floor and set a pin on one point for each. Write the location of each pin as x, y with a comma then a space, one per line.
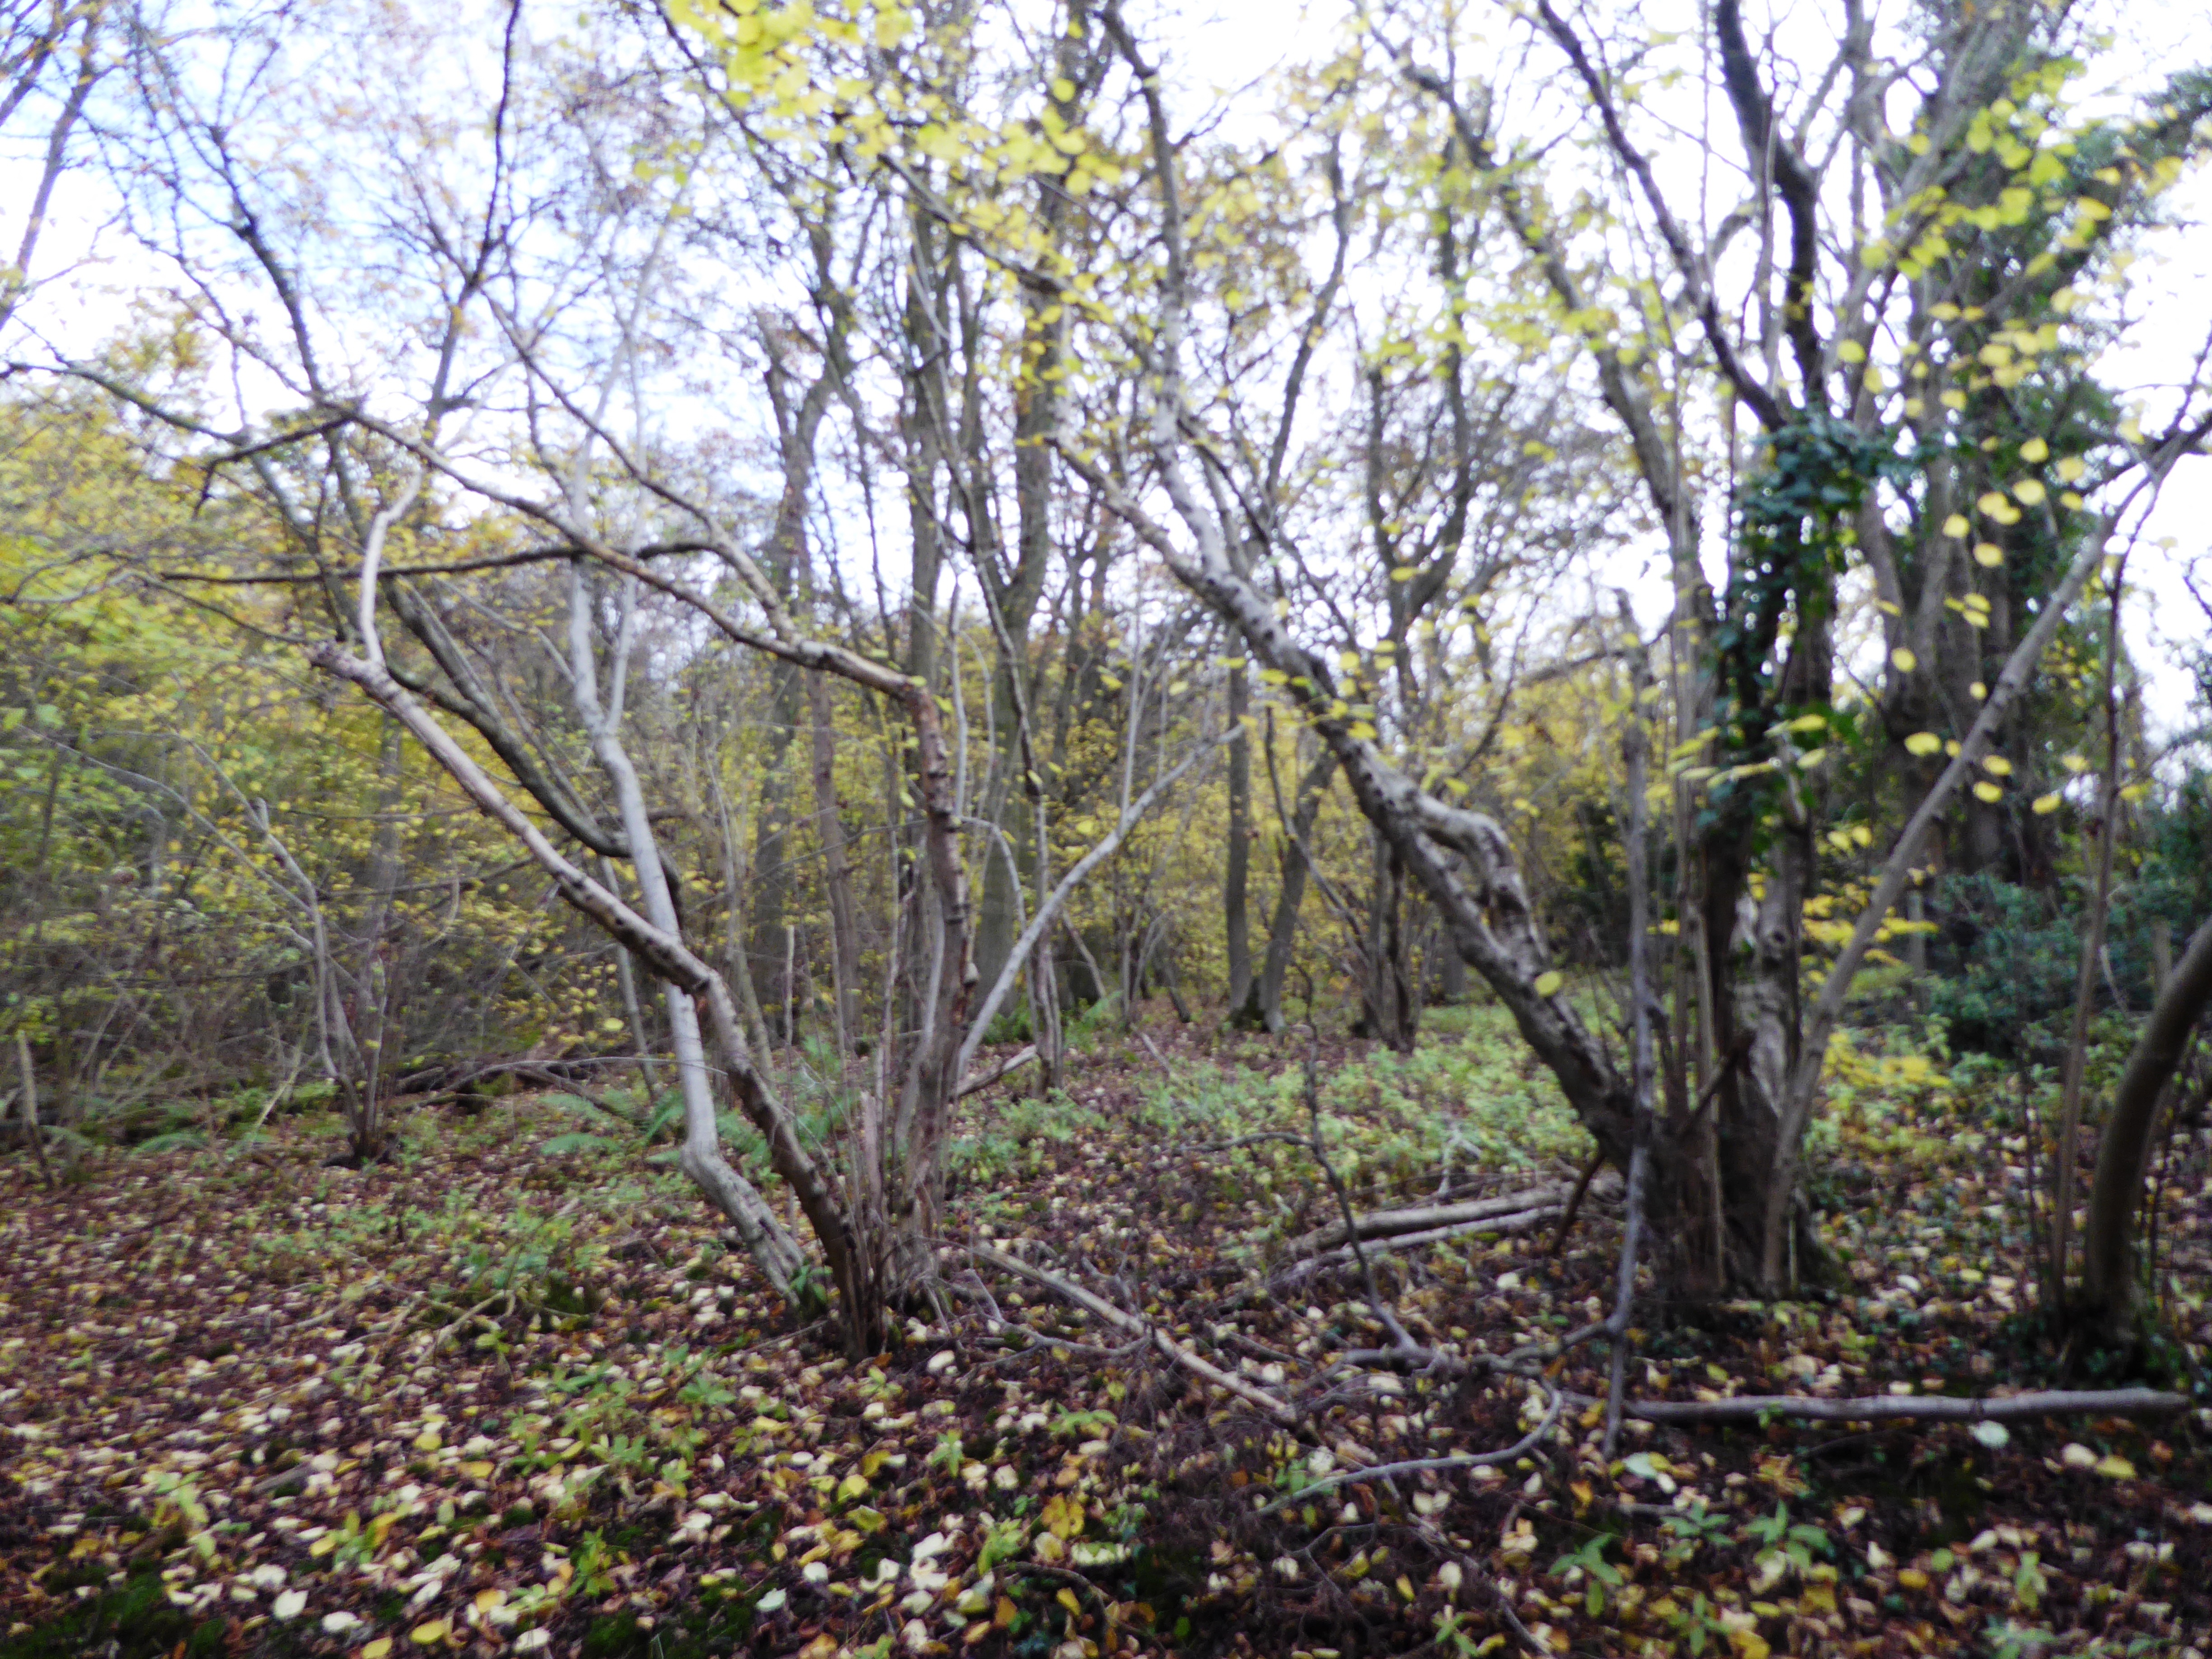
492, 1397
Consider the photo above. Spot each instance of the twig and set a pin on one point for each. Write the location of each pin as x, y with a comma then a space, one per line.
1514, 1618
1382, 1310
975, 1080
1575, 1201
1113, 1315
1519, 1449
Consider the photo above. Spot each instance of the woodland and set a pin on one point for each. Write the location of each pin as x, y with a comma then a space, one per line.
1055, 827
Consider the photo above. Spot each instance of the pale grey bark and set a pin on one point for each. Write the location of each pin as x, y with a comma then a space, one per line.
766, 1240
670, 958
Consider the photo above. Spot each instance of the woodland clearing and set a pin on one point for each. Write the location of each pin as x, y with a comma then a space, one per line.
837, 827
494, 1397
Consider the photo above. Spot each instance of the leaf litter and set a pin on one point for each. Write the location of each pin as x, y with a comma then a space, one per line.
492, 1400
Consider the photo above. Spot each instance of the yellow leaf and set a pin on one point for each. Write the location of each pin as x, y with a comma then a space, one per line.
487, 1599
427, 1441
1066, 1599
1750, 1644
377, 1649
1906, 661
2035, 450
1004, 1613
1850, 351
2046, 804
2071, 467
1547, 985
2028, 492
1992, 503
1955, 525
2074, 762
1923, 742
428, 1635
2116, 1467
323, 1545
1988, 792
1997, 765
1988, 554
476, 1471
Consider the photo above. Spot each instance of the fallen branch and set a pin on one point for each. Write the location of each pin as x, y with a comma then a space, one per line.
1921, 1407
1522, 1221
1428, 1217
1257, 1398
1012, 1062
1513, 1453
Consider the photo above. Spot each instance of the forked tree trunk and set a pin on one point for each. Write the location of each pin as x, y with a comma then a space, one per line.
772, 1248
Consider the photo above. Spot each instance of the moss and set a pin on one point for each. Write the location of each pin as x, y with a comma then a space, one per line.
136, 1616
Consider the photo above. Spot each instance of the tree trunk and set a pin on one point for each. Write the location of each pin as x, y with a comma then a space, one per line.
669, 959
1262, 1008
1390, 1009
1236, 924
365, 1095
836, 865
772, 1248
2108, 1242
771, 860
